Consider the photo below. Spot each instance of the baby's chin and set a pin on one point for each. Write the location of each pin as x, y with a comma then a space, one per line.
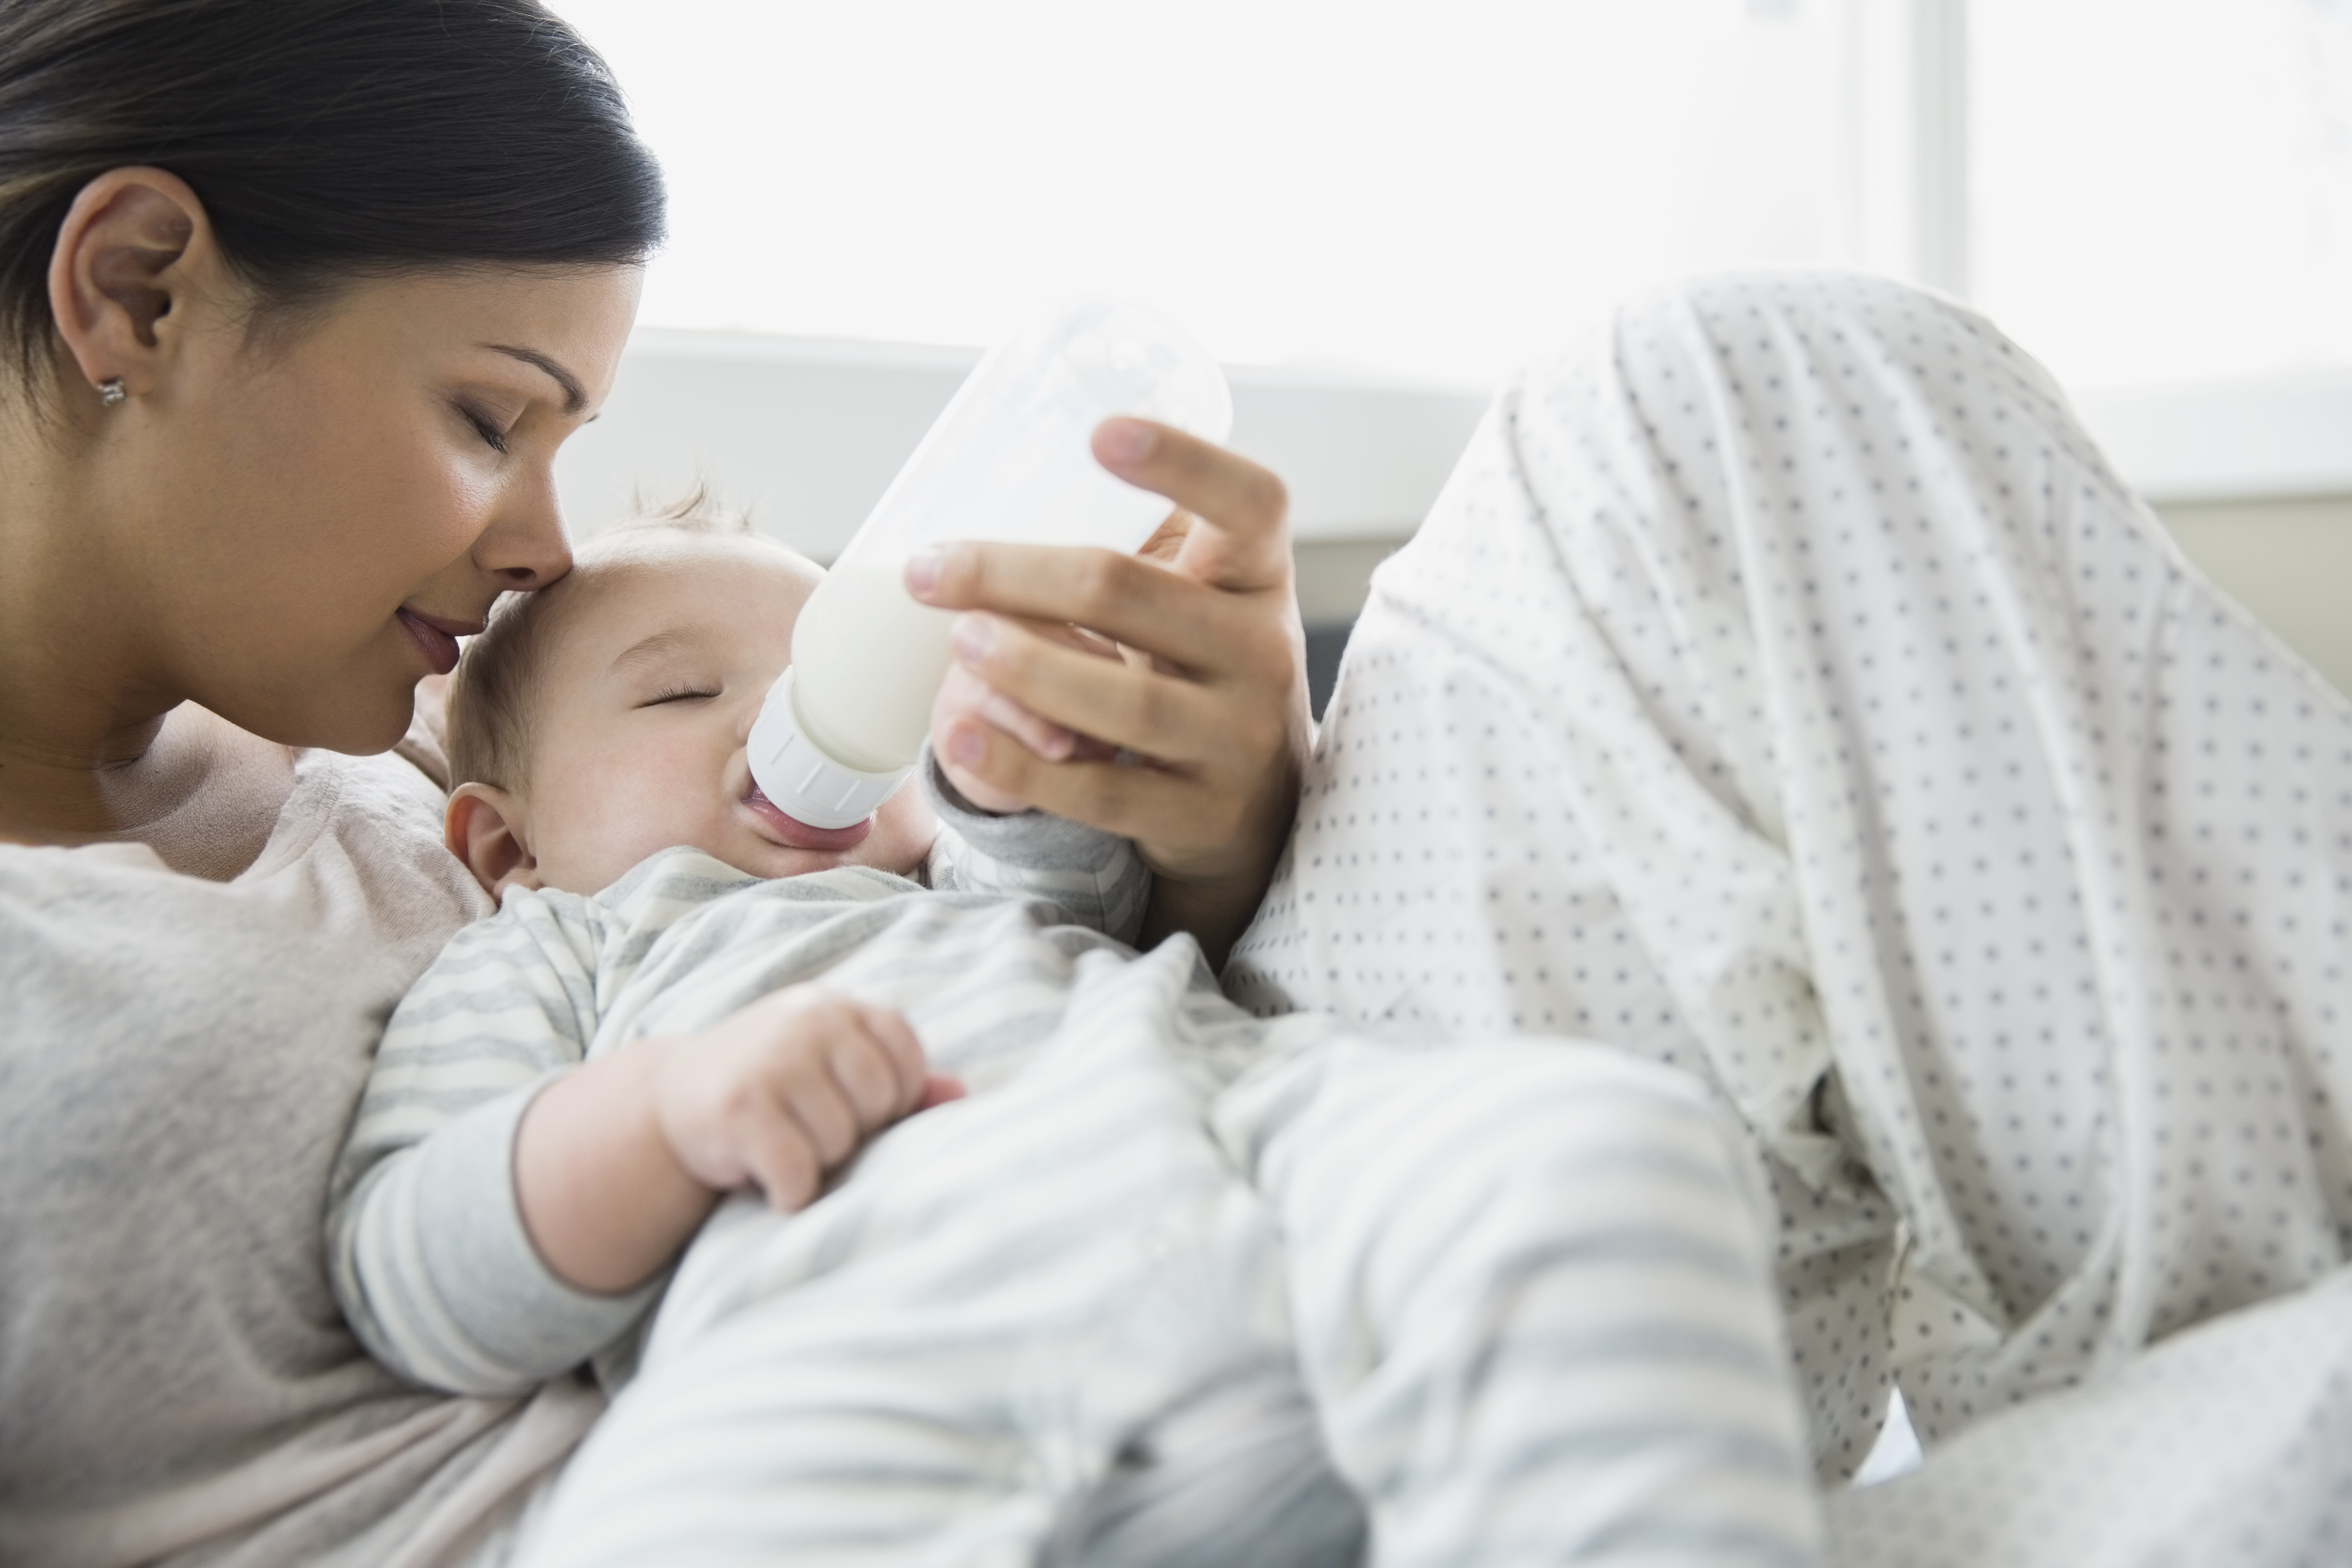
871, 844
752, 853
769, 861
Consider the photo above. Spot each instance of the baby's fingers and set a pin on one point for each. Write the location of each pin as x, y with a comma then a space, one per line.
782, 1159
876, 1087
895, 1064
814, 1096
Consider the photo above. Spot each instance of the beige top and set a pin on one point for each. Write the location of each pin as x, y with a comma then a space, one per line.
178, 1061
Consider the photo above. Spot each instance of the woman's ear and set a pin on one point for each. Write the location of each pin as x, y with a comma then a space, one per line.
134, 250
484, 828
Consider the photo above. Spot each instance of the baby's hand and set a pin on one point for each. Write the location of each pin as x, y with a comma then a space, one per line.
783, 1091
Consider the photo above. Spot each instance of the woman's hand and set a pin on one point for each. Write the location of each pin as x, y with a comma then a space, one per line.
963, 695
1187, 729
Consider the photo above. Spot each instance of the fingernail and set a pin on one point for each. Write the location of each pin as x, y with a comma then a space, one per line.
972, 637
923, 571
1050, 742
1124, 440
966, 746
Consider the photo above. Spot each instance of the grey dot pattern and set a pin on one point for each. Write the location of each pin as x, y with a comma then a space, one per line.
2226, 1444
1784, 689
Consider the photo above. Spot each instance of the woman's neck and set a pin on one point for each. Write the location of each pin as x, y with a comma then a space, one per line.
203, 794
93, 747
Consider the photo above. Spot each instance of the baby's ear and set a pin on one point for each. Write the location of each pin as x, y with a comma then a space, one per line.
484, 828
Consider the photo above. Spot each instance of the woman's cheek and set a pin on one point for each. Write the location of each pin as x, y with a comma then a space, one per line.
455, 508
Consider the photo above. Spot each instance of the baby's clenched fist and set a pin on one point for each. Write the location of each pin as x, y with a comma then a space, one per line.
783, 1091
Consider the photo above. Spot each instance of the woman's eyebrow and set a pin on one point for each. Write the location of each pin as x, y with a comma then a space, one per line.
575, 399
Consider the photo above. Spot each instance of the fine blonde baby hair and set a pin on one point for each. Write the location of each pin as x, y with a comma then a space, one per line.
490, 708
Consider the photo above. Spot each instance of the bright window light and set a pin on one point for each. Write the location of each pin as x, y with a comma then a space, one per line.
2163, 188
2159, 189
1440, 190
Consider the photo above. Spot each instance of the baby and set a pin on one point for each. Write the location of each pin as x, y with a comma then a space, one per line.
1049, 1320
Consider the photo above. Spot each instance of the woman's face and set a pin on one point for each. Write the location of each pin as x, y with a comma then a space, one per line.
316, 510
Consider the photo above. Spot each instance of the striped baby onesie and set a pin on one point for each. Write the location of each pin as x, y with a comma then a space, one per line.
1172, 1284
424, 1192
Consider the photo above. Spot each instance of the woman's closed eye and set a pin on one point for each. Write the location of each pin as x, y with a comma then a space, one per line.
493, 436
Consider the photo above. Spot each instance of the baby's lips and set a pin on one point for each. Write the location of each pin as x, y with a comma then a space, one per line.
799, 835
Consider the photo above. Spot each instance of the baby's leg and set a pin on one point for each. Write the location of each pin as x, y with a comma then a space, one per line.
1532, 1294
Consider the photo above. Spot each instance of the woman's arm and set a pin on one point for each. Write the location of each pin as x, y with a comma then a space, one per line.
1212, 696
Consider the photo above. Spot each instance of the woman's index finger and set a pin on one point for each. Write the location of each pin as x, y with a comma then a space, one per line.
1141, 604
1240, 537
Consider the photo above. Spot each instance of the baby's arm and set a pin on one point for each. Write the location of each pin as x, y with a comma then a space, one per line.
425, 1245
475, 1238
617, 1163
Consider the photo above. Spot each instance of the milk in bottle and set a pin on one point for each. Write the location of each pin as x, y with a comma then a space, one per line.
1010, 459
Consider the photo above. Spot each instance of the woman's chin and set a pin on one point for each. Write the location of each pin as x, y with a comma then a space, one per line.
360, 724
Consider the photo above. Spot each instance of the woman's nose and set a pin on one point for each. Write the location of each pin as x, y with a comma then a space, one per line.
525, 547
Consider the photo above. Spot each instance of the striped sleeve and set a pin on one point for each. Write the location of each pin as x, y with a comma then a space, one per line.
426, 1248
1095, 878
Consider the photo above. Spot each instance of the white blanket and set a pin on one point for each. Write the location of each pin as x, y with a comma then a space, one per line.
1785, 688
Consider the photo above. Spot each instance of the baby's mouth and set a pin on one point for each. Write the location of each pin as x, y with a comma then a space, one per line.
799, 835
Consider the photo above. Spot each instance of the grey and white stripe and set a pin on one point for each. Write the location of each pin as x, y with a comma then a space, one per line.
1174, 1285
426, 1249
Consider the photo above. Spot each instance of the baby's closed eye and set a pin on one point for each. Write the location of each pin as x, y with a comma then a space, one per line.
679, 694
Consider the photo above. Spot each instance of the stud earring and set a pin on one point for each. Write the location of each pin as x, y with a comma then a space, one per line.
110, 391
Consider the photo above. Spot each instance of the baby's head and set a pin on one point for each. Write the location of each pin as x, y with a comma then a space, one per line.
605, 717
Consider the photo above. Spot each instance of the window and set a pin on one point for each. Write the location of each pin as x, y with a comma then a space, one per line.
1425, 188
1392, 203
2162, 189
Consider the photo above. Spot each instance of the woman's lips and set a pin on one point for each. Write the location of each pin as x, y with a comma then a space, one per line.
440, 646
799, 834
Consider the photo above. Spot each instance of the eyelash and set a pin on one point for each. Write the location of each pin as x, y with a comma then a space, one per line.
493, 436
682, 694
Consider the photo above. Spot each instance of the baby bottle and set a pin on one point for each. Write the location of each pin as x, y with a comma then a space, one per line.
1008, 458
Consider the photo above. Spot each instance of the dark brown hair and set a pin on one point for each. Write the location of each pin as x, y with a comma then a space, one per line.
327, 139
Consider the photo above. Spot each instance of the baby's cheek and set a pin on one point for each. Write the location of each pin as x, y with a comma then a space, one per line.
632, 811
903, 831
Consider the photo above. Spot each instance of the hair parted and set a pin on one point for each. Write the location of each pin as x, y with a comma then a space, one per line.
490, 700
329, 140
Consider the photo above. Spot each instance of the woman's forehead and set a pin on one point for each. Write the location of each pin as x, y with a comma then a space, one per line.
569, 323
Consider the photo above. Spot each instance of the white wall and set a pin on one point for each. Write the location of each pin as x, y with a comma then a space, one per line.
807, 433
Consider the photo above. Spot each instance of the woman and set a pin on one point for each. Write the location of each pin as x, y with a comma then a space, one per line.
303, 299
301, 302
